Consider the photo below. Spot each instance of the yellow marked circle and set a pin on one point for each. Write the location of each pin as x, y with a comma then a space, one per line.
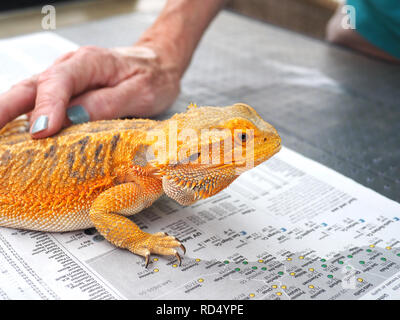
252, 295
200, 280
371, 246
198, 260
155, 259
360, 279
292, 273
388, 248
279, 293
174, 265
274, 286
311, 269
289, 259
283, 287
156, 270
301, 257
311, 286
260, 261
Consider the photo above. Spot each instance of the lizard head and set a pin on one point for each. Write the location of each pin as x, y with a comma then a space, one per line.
209, 147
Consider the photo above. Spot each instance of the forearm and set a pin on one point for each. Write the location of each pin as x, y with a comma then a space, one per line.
179, 28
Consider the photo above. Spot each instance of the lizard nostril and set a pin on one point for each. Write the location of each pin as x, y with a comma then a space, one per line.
265, 139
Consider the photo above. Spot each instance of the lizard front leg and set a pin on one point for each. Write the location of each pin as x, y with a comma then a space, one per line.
108, 213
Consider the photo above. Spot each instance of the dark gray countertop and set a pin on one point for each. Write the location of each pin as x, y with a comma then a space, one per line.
332, 105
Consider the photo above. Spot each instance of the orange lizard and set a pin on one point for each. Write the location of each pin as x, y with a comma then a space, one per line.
98, 173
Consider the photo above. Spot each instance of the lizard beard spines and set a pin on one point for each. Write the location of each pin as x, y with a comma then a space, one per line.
183, 196
188, 183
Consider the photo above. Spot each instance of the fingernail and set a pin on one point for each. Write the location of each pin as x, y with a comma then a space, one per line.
40, 124
78, 114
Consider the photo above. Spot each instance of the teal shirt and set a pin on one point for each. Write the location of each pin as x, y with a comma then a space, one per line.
378, 21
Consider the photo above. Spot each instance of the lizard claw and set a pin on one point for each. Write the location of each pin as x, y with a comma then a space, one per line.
157, 243
183, 248
179, 258
147, 259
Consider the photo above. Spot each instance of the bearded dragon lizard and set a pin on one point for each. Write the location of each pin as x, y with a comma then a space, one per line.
98, 173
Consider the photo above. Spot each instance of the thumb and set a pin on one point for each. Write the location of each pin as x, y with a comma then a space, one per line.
125, 99
100, 104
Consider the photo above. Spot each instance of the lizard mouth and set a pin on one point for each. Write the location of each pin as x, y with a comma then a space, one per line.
256, 158
260, 157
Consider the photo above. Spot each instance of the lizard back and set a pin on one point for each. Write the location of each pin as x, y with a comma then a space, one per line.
67, 170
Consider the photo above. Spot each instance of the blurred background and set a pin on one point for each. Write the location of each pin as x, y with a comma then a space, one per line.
305, 16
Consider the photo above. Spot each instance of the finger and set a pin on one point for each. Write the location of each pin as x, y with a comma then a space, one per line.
88, 68
126, 99
100, 104
64, 57
18, 100
21, 97
54, 90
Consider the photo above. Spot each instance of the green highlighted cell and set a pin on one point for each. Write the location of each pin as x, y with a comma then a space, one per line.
330, 276
237, 269
362, 262
350, 256
340, 262
245, 262
323, 260
383, 259
264, 268
226, 261
324, 266
369, 250
280, 273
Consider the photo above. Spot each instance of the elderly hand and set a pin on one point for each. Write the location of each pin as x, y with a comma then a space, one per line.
94, 83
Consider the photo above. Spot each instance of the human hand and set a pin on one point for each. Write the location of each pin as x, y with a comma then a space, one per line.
92, 84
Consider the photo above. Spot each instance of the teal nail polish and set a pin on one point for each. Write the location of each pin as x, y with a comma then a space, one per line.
78, 114
40, 124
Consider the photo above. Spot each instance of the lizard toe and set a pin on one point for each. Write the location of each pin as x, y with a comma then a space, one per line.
158, 243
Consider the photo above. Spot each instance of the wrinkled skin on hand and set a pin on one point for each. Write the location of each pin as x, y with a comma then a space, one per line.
109, 83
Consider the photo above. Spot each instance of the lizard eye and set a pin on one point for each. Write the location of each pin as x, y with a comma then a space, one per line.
242, 137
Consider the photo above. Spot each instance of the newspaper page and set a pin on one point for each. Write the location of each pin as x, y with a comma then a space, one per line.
287, 229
